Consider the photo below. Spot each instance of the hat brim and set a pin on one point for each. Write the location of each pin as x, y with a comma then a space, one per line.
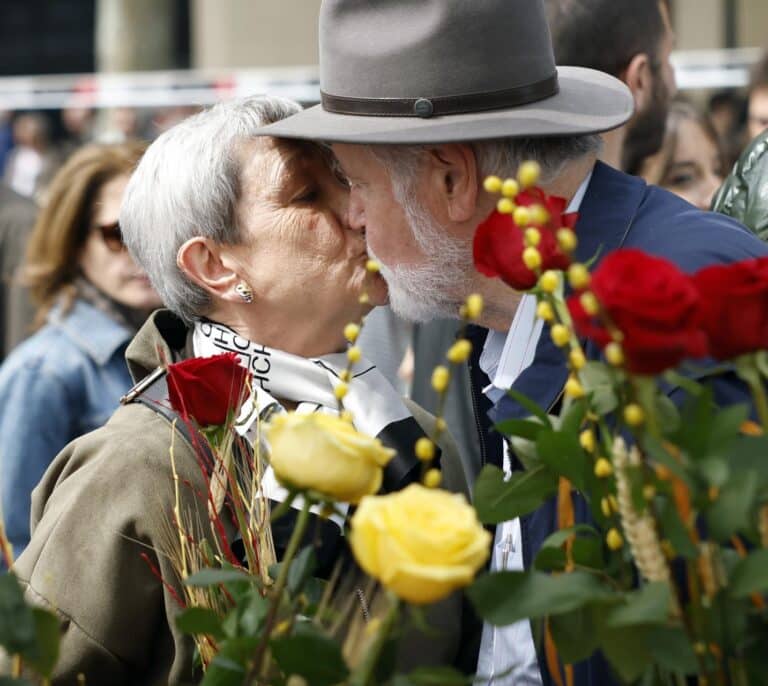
588, 101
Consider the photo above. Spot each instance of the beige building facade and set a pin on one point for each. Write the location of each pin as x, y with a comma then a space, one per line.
269, 33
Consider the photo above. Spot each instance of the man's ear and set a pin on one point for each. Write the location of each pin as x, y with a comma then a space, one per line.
209, 266
453, 179
639, 79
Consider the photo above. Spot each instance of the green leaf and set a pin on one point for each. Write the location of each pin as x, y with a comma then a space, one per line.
648, 605
531, 406
497, 500
45, 651
228, 668
677, 380
17, 622
214, 576
725, 429
437, 676
674, 531
748, 453
562, 453
550, 560
599, 383
728, 623
715, 470
671, 648
731, 511
506, 597
588, 552
311, 655
253, 614
301, 569
200, 620
524, 428
667, 414
626, 651
750, 575
574, 634
557, 539
8, 681
573, 415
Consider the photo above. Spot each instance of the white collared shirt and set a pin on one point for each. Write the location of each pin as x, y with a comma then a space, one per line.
509, 651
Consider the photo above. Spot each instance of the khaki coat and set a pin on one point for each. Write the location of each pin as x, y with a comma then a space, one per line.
100, 524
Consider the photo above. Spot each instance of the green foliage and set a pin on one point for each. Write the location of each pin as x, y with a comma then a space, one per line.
506, 597
30, 632
200, 620
498, 500
310, 654
750, 575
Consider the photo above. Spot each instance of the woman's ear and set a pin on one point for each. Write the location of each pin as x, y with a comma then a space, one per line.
639, 80
208, 265
454, 180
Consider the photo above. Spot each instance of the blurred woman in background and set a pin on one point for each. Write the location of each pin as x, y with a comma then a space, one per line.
690, 162
67, 378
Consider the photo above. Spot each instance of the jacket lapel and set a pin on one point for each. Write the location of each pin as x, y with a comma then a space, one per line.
605, 220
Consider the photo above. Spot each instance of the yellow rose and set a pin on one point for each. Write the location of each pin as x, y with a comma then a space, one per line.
420, 543
325, 453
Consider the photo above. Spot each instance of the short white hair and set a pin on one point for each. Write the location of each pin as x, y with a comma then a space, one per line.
501, 157
188, 184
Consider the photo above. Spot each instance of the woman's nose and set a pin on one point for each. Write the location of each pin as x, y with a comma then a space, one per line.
355, 213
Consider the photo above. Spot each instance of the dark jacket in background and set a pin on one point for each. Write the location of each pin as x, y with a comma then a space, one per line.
17, 216
744, 194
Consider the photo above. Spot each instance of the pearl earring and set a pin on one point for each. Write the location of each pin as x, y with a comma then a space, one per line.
244, 291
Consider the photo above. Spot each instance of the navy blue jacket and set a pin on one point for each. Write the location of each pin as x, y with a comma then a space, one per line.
617, 211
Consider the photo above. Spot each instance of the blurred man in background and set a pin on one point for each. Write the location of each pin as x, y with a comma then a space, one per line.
631, 40
757, 113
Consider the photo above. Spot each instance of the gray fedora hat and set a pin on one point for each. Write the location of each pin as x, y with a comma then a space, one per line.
429, 71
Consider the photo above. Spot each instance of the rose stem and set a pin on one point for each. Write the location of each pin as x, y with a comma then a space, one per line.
366, 674
282, 579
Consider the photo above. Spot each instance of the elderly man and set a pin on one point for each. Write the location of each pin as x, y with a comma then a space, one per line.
421, 101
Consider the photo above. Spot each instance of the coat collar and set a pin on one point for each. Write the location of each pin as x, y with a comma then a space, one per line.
90, 329
605, 219
163, 337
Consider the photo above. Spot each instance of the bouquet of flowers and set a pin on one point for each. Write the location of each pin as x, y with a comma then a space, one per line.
667, 573
259, 620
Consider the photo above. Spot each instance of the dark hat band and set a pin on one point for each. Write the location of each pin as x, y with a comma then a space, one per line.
443, 105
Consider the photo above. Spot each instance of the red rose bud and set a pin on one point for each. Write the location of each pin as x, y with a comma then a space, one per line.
654, 306
499, 242
206, 389
734, 306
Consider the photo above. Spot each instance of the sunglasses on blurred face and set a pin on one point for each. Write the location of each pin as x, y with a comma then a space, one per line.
112, 236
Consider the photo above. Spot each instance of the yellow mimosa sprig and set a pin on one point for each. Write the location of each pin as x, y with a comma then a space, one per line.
457, 354
354, 354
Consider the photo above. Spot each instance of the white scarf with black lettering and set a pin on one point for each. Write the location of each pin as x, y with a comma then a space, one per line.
376, 407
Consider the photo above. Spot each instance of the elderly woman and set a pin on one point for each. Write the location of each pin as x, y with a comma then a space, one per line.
246, 240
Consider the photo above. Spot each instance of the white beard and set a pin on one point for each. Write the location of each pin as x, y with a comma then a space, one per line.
437, 287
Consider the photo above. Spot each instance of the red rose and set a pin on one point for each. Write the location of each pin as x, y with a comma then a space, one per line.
654, 306
206, 389
499, 245
734, 305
